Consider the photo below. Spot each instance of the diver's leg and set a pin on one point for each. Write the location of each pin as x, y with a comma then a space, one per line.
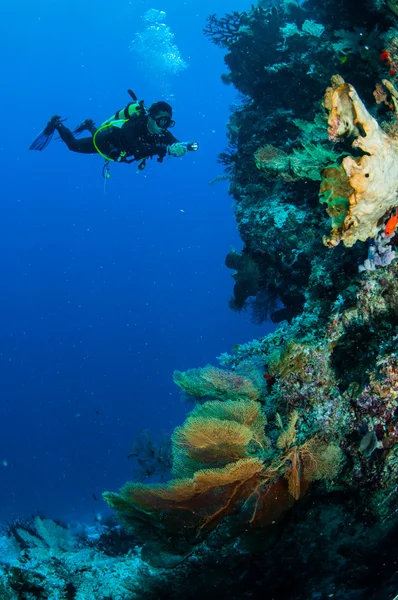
84, 145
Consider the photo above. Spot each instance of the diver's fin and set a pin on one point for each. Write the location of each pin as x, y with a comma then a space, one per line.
87, 125
44, 138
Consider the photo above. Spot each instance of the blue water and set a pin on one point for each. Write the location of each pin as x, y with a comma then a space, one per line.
103, 293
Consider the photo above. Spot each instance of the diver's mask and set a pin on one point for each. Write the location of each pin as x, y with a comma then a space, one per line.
164, 122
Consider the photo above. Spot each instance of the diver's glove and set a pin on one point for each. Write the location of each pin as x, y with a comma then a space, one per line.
177, 149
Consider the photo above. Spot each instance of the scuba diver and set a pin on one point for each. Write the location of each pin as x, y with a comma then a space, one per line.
133, 134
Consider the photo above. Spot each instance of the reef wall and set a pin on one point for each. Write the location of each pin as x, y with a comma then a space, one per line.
284, 477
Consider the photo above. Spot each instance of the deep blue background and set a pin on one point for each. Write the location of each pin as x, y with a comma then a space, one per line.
103, 295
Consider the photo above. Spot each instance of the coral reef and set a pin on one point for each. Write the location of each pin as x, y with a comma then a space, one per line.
283, 478
314, 456
278, 150
322, 388
295, 435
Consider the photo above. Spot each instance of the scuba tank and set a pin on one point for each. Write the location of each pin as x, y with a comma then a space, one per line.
133, 109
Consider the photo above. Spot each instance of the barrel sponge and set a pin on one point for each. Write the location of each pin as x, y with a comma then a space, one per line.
362, 191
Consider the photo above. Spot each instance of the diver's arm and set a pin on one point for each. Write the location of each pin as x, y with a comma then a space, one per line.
174, 146
171, 139
177, 149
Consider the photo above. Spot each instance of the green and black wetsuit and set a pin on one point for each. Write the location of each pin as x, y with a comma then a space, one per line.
131, 141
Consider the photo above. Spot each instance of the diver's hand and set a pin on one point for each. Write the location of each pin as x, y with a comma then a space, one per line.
177, 149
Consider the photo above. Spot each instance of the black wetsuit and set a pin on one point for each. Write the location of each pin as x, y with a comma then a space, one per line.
132, 141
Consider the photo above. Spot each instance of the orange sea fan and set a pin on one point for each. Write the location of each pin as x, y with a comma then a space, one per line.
211, 440
320, 459
315, 459
245, 412
293, 474
230, 383
201, 502
288, 436
219, 474
188, 507
217, 383
191, 504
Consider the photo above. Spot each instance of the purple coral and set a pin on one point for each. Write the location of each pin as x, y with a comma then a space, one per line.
380, 253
